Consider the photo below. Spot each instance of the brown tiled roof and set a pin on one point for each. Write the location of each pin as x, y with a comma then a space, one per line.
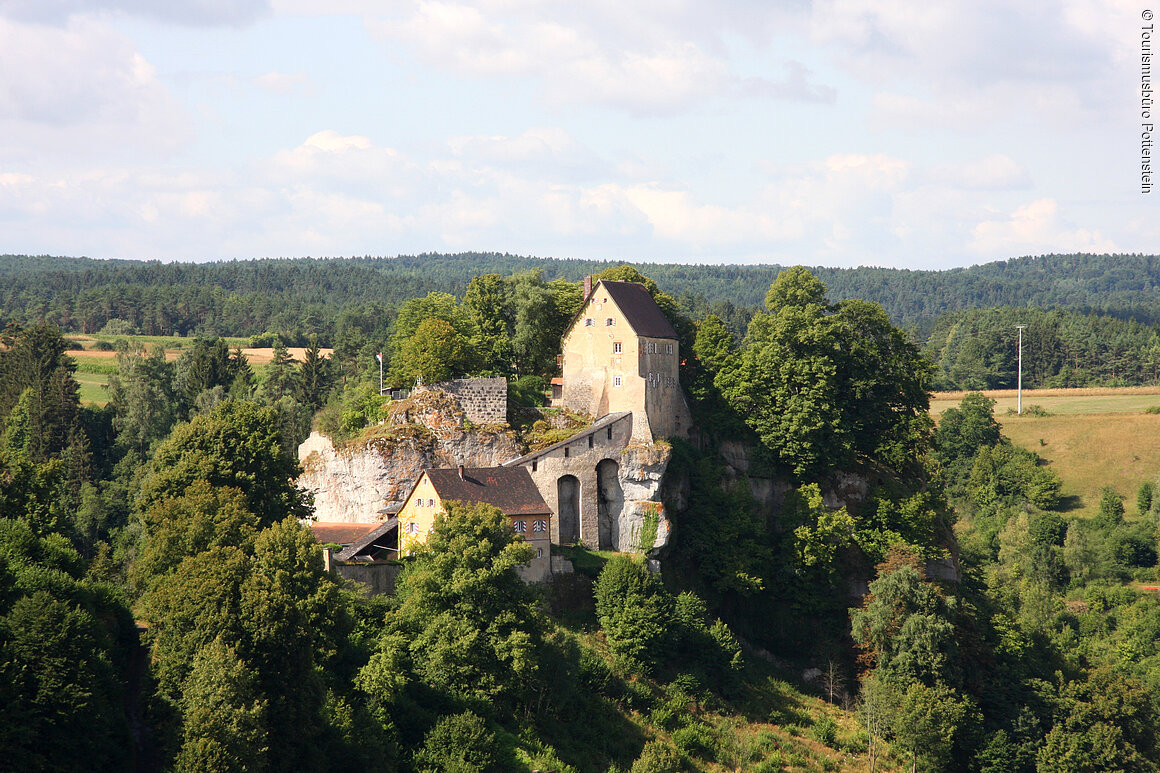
508, 488
375, 539
638, 306
341, 533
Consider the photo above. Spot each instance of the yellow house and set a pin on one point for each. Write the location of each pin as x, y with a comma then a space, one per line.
510, 489
620, 353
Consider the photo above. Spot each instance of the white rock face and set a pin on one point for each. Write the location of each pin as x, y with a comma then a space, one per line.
357, 483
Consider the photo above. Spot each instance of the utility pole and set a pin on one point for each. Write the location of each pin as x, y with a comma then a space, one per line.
1020, 400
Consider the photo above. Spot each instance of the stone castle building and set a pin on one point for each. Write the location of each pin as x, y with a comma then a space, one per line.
621, 354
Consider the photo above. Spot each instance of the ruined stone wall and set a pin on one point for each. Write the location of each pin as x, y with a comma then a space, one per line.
483, 400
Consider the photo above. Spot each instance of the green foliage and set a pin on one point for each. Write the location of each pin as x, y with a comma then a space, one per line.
63, 664
658, 757
1111, 512
463, 621
714, 344
435, 352
460, 743
905, 628
928, 722
238, 444
823, 386
634, 611
962, 431
36, 383
225, 715
1005, 475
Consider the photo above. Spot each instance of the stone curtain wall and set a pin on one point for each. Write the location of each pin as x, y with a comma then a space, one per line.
483, 400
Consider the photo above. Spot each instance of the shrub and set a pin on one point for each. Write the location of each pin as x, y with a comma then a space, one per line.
696, 739
658, 757
460, 743
824, 730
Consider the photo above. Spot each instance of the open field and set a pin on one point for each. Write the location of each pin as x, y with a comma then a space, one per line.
1095, 438
94, 366
1071, 401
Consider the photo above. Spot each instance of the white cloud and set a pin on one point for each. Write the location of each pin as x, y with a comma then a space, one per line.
78, 88
654, 59
1035, 228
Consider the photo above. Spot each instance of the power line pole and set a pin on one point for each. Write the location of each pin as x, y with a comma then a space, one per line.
1020, 391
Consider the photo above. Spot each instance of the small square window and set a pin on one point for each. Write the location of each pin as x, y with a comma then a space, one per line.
412, 528
539, 552
609, 322
615, 382
617, 347
520, 526
588, 322
539, 525
668, 348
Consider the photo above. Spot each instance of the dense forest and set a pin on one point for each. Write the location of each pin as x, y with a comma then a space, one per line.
1091, 319
162, 607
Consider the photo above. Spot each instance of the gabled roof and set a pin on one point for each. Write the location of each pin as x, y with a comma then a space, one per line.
641, 311
508, 488
638, 306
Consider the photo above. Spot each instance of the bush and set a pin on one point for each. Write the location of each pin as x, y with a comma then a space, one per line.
658, 757
824, 731
697, 740
527, 392
460, 743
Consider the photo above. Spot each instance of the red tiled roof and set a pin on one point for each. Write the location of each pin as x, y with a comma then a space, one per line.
508, 488
638, 306
341, 533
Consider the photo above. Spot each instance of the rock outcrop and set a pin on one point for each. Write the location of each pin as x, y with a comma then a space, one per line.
362, 480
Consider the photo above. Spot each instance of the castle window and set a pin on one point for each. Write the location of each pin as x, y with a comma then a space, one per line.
533, 465
588, 322
539, 552
591, 441
617, 347
609, 322
539, 525
520, 526
565, 452
616, 381
610, 433
668, 348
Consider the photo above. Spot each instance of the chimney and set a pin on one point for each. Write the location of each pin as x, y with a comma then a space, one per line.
587, 286
462, 476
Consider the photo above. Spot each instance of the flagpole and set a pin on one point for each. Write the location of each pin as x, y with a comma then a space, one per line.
379, 357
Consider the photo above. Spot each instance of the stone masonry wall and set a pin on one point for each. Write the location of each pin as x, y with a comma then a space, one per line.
483, 400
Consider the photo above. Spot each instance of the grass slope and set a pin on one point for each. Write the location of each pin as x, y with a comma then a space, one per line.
1094, 437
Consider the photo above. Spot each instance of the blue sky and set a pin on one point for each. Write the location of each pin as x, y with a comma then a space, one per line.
837, 133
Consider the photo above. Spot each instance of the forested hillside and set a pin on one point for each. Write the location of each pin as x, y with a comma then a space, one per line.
302, 296
932, 579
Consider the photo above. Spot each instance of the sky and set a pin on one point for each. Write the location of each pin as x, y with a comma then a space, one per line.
833, 132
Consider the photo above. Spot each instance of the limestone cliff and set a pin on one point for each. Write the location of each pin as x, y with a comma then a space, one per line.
359, 480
